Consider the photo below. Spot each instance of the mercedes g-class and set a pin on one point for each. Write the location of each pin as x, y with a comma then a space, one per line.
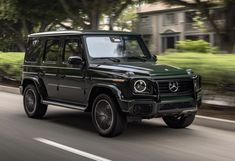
110, 74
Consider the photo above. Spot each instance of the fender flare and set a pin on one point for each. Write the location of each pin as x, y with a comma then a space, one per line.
117, 92
38, 84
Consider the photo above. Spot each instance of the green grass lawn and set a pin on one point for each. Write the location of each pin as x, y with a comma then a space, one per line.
217, 70
10, 64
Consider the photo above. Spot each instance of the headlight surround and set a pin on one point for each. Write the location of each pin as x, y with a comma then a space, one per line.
142, 87
197, 83
190, 71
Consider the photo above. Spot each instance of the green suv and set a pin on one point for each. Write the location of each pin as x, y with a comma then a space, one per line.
110, 74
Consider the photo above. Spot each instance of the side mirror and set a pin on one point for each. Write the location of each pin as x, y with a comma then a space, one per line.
75, 60
154, 57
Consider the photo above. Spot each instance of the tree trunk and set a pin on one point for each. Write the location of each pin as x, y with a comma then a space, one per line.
111, 23
94, 19
227, 43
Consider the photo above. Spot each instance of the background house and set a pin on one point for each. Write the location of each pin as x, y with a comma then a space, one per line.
163, 25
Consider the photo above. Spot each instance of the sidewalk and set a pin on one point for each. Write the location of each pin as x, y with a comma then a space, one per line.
219, 99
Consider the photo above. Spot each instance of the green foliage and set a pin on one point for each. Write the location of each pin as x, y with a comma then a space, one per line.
11, 65
18, 18
200, 46
7, 45
127, 19
217, 70
199, 22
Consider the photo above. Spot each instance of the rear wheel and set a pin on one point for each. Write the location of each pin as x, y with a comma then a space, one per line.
106, 116
32, 103
179, 121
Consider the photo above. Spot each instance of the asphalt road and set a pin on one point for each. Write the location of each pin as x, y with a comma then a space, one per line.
69, 135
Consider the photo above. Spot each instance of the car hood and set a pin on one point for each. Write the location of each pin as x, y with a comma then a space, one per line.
139, 69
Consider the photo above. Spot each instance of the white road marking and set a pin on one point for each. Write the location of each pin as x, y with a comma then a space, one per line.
215, 119
71, 150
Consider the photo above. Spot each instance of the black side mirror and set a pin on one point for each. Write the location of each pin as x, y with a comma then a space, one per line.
154, 57
75, 60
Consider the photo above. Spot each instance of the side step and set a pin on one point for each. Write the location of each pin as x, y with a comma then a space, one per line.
63, 105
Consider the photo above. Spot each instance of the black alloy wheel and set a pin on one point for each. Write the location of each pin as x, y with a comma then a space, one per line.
32, 103
107, 117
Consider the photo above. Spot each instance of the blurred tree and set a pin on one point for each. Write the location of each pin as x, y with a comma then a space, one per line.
87, 14
18, 18
127, 20
226, 34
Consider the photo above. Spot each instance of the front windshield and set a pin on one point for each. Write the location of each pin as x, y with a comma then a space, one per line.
115, 47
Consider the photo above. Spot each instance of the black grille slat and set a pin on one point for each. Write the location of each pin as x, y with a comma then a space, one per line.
185, 86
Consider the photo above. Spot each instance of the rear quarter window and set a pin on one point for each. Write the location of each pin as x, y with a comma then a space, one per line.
34, 49
52, 50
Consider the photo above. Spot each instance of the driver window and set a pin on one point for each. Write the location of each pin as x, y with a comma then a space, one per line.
72, 48
132, 48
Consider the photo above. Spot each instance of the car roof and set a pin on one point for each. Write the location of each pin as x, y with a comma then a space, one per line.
69, 33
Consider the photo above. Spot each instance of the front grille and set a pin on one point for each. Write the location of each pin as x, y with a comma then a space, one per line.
172, 106
185, 86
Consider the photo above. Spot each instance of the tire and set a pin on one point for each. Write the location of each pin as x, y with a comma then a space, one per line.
32, 103
107, 117
179, 122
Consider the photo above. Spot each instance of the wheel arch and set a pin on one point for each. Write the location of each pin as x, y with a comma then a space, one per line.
105, 89
37, 82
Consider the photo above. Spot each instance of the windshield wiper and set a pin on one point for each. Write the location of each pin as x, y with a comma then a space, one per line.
137, 57
110, 58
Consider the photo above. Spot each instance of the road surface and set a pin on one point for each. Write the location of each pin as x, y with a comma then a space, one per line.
68, 135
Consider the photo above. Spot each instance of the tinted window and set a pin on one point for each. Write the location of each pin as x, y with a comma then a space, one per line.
52, 50
72, 48
132, 48
34, 50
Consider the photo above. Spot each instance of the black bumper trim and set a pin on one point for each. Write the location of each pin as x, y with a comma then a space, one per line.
186, 105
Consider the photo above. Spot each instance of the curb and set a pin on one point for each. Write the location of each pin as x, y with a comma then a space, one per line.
216, 123
8, 89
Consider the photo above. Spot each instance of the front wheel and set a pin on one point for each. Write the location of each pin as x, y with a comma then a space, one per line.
179, 121
32, 103
106, 116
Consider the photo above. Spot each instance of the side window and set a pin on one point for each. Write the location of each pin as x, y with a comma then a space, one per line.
52, 50
170, 19
72, 47
132, 46
34, 49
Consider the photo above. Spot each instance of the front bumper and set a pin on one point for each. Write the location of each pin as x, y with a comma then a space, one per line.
147, 108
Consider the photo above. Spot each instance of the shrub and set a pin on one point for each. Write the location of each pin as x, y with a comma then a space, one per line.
200, 46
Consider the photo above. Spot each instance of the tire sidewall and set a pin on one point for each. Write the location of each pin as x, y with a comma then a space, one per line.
34, 91
114, 112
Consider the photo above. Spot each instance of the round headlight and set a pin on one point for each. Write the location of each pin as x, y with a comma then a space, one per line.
140, 86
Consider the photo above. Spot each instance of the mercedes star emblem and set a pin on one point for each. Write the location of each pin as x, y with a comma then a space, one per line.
173, 86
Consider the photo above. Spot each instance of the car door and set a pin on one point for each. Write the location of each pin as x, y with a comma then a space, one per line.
71, 77
49, 68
